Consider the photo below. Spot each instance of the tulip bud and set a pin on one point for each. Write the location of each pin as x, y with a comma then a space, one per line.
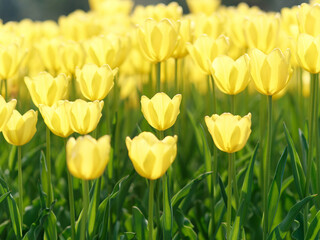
85, 116
270, 72
230, 133
231, 77
20, 129
56, 118
95, 82
87, 157
309, 19
158, 40
45, 89
151, 157
6, 110
160, 111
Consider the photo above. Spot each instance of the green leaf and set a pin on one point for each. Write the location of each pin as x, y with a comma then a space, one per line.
50, 227
4, 196
139, 223
297, 171
185, 226
179, 196
44, 175
223, 191
275, 188
281, 230
93, 207
245, 197
167, 209
196, 130
12, 158
314, 228
206, 155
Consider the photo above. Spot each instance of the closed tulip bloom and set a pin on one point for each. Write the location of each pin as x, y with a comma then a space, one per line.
205, 49
185, 35
270, 72
158, 40
85, 116
230, 133
203, 6
20, 129
45, 89
56, 118
87, 157
308, 52
6, 109
231, 76
95, 82
309, 19
150, 156
261, 31
161, 111
48, 50
72, 55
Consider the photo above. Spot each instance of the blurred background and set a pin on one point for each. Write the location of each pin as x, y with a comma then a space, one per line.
16, 10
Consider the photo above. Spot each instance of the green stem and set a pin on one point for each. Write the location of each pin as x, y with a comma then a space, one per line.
48, 159
106, 106
150, 216
71, 199
314, 84
214, 107
214, 178
233, 103
267, 169
167, 211
176, 75
20, 185
158, 77
229, 207
235, 182
85, 192
6, 89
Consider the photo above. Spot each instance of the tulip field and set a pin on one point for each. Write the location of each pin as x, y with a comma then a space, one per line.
144, 122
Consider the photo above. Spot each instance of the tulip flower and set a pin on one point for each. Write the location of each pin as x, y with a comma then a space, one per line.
158, 40
160, 111
231, 76
84, 116
151, 157
6, 110
230, 133
20, 129
309, 19
270, 72
185, 35
205, 49
262, 30
56, 118
45, 89
72, 55
95, 82
308, 52
203, 6
87, 157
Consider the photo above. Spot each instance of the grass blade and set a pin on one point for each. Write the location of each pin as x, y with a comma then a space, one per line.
314, 228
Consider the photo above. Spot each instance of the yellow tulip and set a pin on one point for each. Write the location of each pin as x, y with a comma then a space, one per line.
110, 49
160, 111
45, 89
212, 26
205, 49
261, 31
231, 77
6, 110
151, 157
230, 133
11, 57
95, 82
87, 157
158, 40
85, 116
56, 118
203, 6
308, 52
270, 72
185, 35
309, 19
72, 55
20, 129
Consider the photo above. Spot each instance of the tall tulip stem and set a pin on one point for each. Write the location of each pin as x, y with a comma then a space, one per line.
158, 77
48, 159
314, 85
20, 185
229, 207
85, 192
150, 215
6, 89
267, 168
176, 86
71, 199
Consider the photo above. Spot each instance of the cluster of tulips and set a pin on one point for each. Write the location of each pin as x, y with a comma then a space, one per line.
114, 58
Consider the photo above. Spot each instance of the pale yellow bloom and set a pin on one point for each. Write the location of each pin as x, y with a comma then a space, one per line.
230, 133
160, 111
20, 129
87, 157
309, 19
203, 6
6, 109
151, 157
